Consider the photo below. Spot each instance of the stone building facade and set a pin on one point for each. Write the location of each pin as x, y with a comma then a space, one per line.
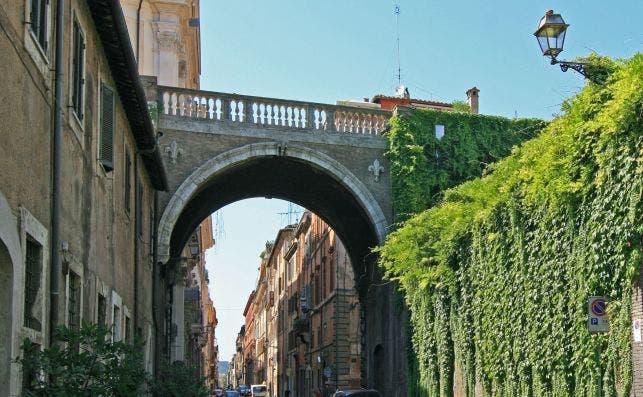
249, 341
195, 339
308, 313
166, 37
77, 214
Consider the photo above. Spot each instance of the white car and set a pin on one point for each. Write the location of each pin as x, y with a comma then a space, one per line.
259, 390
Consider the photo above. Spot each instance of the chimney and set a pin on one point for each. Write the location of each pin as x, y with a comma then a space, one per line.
472, 99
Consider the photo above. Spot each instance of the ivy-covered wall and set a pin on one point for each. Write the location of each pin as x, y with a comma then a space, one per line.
423, 166
497, 274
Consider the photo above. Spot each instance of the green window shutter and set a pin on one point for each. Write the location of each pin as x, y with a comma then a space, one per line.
78, 70
106, 143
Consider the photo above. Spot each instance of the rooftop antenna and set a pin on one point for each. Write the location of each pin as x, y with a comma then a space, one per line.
397, 44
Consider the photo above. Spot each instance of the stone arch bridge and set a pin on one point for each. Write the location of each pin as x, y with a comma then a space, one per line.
220, 148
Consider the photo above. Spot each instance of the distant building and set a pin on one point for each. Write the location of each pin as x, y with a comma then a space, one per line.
402, 97
166, 35
305, 314
249, 341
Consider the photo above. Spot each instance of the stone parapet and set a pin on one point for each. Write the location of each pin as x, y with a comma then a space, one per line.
271, 112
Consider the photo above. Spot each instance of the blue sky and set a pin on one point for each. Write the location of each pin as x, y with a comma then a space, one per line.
324, 51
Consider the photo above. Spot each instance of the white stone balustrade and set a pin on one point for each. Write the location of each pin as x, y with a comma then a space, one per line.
271, 112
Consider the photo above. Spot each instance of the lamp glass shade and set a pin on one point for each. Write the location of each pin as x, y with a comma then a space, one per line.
551, 34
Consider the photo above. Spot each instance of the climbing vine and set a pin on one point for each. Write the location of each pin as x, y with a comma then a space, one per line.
496, 273
423, 166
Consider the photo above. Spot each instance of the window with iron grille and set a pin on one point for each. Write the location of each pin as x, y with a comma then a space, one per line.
33, 271
78, 69
128, 332
128, 182
106, 141
139, 209
73, 301
102, 311
116, 331
38, 21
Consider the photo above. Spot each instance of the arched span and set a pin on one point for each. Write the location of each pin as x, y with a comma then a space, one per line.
298, 174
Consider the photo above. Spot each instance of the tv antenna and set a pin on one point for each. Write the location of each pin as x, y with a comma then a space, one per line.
397, 44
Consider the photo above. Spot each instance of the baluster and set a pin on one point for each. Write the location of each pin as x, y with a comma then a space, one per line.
369, 123
245, 114
197, 106
254, 117
233, 110
179, 104
216, 106
189, 106
166, 103
282, 115
275, 114
269, 114
381, 124
324, 119
204, 108
289, 116
295, 115
173, 101
303, 112
212, 108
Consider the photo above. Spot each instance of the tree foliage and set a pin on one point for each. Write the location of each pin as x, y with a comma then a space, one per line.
81, 363
497, 274
179, 380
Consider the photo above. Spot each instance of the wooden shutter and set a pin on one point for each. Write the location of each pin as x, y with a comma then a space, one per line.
106, 148
79, 65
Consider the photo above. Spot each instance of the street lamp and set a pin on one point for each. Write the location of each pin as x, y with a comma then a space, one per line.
551, 38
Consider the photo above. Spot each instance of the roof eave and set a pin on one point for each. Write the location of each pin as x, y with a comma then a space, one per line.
110, 24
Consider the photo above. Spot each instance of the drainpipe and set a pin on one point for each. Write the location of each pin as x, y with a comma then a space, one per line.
55, 180
155, 266
137, 226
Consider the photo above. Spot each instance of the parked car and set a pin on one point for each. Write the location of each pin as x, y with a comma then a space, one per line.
259, 390
218, 393
357, 393
232, 393
244, 390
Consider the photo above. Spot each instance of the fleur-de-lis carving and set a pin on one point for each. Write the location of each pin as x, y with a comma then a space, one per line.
376, 169
173, 151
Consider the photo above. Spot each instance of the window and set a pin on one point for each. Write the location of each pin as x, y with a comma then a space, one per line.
38, 22
139, 209
128, 182
78, 69
116, 331
128, 326
101, 309
331, 274
73, 301
33, 271
439, 131
106, 139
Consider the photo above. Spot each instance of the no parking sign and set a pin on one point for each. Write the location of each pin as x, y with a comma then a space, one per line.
597, 312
